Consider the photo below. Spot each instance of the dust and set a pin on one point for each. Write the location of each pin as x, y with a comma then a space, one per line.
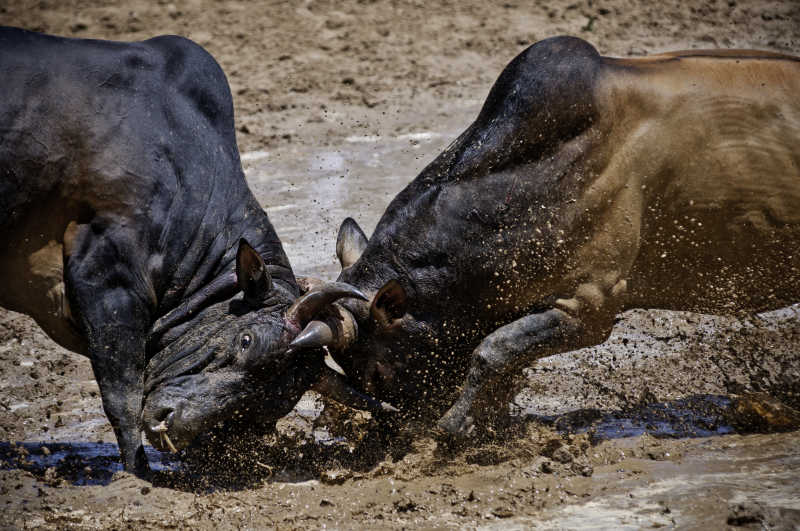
636, 432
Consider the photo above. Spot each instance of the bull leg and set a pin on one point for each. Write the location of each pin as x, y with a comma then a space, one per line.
115, 321
117, 356
538, 335
334, 386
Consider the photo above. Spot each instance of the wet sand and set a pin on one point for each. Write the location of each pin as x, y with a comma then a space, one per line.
339, 105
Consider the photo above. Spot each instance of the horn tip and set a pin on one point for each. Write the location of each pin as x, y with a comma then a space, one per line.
331, 363
298, 343
358, 294
315, 334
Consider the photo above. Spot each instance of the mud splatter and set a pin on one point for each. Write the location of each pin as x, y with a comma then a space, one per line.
338, 105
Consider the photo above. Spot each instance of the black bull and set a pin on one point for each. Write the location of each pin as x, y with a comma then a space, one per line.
125, 217
587, 185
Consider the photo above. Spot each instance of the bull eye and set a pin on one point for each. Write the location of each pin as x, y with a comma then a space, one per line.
245, 341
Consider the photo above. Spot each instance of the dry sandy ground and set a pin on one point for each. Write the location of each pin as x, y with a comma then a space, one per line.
313, 76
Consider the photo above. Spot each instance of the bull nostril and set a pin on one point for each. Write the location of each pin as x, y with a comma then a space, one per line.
165, 414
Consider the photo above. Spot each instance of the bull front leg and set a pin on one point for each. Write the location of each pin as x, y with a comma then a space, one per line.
536, 334
117, 354
114, 315
583, 320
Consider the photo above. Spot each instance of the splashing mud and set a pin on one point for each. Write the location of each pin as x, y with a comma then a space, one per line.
670, 423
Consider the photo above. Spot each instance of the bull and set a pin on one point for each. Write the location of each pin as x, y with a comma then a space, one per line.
128, 232
587, 185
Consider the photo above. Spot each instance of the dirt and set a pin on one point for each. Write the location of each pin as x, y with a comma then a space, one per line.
338, 105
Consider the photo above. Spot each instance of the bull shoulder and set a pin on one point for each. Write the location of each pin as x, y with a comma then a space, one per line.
132, 140
193, 73
542, 99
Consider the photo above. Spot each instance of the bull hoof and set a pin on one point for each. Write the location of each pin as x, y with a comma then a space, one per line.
145, 473
138, 465
455, 425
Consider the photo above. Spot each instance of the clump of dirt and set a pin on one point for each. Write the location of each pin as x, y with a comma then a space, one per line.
761, 358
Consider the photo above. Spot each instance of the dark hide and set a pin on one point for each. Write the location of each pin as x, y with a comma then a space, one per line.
122, 207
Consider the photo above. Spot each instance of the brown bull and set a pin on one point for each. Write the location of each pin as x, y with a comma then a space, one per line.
586, 186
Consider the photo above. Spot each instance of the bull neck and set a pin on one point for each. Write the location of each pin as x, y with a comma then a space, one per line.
224, 286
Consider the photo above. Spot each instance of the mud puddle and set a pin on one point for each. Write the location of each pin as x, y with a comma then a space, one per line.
88, 463
79, 463
95, 463
694, 416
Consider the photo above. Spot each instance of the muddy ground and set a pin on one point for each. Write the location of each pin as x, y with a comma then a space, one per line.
338, 105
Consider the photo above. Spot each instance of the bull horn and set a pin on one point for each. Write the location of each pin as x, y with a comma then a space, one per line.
319, 333
316, 334
307, 306
331, 363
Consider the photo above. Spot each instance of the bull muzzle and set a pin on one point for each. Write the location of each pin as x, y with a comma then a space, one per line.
162, 430
158, 430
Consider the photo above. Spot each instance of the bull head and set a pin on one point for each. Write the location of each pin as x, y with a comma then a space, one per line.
386, 308
338, 331
227, 359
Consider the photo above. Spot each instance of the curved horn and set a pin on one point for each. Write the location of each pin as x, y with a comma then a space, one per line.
306, 307
315, 334
321, 334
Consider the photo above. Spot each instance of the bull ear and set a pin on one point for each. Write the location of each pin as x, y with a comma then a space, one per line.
350, 242
252, 274
389, 304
